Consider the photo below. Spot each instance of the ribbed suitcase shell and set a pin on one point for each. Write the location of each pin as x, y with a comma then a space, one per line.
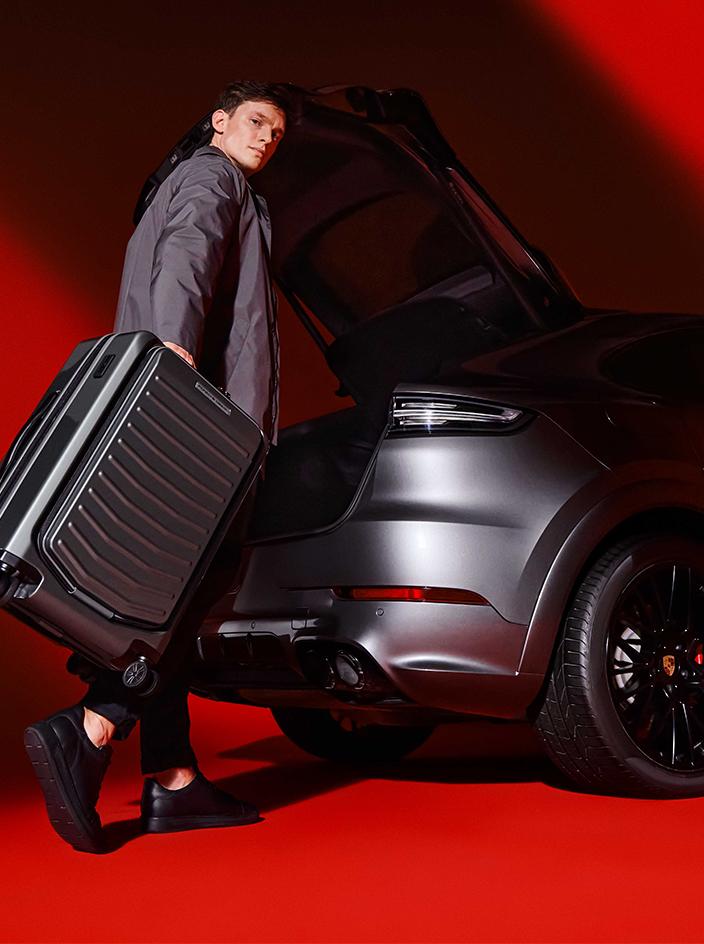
129, 473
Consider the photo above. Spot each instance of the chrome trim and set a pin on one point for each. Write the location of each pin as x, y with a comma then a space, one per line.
434, 414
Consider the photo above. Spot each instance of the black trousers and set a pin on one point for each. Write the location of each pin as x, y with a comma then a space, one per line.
163, 716
164, 719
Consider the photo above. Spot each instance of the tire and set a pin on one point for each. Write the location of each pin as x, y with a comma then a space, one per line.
316, 731
623, 710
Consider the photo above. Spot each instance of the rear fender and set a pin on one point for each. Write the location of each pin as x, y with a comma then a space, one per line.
625, 510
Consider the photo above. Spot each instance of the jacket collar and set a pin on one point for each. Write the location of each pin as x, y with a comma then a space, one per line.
262, 207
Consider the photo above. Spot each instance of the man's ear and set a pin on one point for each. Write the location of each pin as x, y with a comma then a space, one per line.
218, 119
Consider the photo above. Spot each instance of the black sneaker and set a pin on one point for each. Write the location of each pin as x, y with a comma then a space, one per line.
70, 770
199, 805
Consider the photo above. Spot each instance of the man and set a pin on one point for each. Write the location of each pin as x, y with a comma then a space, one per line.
196, 274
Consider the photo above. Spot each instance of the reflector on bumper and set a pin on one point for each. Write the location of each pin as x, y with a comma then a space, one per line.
412, 594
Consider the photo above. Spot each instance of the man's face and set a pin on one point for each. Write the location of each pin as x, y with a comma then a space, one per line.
250, 135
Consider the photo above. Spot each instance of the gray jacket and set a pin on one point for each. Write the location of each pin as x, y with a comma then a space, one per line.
197, 273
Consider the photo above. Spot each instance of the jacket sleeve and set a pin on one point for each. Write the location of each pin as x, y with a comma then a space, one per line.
188, 257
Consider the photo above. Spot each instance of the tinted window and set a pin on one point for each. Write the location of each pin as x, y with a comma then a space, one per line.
385, 252
359, 224
668, 365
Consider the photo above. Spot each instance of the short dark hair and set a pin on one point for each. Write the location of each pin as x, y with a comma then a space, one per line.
248, 91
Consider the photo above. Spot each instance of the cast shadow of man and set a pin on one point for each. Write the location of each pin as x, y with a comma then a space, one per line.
473, 753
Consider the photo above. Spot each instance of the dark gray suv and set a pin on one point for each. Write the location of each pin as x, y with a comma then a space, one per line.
509, 521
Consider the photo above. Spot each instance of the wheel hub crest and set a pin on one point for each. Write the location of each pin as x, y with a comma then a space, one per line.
668, 664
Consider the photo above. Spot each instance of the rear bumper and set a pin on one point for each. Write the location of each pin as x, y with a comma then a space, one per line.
450, 657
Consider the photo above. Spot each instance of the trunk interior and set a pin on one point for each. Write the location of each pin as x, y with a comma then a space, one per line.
313, 473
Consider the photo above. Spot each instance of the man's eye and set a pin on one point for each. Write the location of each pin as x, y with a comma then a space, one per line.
255, 121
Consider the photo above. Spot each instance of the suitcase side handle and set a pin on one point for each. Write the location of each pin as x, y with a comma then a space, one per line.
26, 433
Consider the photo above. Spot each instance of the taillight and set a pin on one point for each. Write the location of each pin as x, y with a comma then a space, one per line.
411, 594
456, 414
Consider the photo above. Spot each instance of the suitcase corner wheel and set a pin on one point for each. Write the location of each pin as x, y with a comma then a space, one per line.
9, 582
140, 677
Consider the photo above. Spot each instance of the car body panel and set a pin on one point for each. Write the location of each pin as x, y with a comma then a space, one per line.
650, 493
412, 527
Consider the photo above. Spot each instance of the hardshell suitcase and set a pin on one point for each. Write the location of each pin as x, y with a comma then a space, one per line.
115, 496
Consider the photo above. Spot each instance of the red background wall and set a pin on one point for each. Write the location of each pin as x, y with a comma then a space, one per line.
581, 117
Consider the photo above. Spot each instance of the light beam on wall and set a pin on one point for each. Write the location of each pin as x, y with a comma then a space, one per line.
43, 318
650, 53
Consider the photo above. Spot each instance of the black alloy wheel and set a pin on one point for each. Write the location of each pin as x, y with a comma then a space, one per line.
623, 710
344, 737
655, 664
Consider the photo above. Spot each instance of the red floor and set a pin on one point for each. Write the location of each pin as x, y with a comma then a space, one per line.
466, 841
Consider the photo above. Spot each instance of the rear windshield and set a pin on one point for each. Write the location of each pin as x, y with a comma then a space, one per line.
367, 228
388, 251
669, 364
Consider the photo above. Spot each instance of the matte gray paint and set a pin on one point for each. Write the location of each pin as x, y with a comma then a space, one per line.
462, 512
458, 511
670, 486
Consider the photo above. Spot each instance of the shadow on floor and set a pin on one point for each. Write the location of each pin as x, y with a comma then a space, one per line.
467, 753
471, 754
